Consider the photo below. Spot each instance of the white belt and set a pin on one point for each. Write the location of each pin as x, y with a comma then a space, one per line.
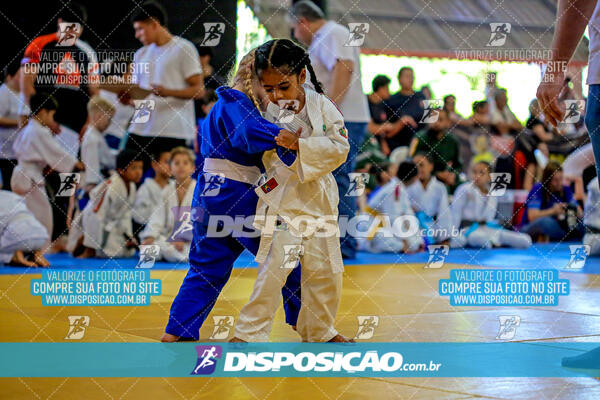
232, 170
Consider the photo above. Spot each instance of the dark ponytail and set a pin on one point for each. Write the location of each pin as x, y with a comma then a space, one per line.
285, 54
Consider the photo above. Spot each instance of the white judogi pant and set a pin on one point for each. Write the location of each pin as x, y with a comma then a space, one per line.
321, 290
486, 237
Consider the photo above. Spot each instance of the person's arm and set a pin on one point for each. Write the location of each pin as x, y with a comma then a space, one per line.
194, 90
247, 130
342, 78
572, 18
536, 213
458, 204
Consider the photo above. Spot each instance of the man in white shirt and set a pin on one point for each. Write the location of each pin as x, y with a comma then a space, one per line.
169, 66
337, 66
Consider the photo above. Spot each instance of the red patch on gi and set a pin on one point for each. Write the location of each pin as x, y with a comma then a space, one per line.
269, 185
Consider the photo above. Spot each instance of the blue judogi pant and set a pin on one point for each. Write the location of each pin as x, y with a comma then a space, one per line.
212, 258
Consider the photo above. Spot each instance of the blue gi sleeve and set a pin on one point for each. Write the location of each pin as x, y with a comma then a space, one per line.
247, 130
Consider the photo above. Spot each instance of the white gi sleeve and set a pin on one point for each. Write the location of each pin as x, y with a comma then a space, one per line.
157, 222
143, 207
320, 155
458, 204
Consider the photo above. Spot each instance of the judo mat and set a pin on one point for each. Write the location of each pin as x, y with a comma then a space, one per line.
397, 288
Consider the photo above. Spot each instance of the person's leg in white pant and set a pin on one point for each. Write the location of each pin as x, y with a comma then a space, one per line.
256, 318
321, 293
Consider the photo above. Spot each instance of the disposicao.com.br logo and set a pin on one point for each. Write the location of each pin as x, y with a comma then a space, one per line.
308, 362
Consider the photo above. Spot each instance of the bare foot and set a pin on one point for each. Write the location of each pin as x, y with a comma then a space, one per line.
340, 339
168, 338
40, 260
19, 259
236, 340
87, 253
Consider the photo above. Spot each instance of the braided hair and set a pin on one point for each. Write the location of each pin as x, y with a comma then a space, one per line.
284, 54
244, 76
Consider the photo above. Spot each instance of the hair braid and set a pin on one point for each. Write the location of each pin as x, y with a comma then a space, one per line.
313, 77
248, 87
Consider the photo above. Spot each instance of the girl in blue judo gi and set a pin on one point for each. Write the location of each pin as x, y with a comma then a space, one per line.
234, 138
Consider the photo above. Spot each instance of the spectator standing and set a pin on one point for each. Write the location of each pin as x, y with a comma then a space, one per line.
337, 66
169, 66
62, 64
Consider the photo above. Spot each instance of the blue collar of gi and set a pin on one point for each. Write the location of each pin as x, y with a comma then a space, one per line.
231, 95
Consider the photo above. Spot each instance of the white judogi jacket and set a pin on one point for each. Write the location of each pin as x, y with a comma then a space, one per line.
392, 201
96, 155
37, 147
433, 201
106, 219
162, 219
469, 204
307, 187
147, 199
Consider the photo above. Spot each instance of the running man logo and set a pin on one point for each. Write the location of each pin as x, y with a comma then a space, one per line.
366, 326
68, 32
579, 253
357, 35
143, 110
499, 183
223, 325
207, 359
77, 325
358, 184
212, 184
183, 227
508, 326
431, 111
500, 31
213, 31
68, 184
287, 111
437, 255
292, 254
148, 255
573, 110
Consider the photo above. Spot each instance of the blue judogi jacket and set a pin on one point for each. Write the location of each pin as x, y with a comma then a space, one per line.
234, 130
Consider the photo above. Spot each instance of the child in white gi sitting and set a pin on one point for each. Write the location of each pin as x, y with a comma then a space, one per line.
104, 228
170, 226
392, 208
21, 235
591, 218
474, 212
429, 198
150, 193
95, 153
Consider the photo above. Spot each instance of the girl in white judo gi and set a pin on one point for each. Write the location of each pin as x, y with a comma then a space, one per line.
474, 211
38, 149
297, 188
170, 226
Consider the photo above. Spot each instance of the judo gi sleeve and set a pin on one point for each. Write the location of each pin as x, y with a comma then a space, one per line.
248, 131
320, 155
